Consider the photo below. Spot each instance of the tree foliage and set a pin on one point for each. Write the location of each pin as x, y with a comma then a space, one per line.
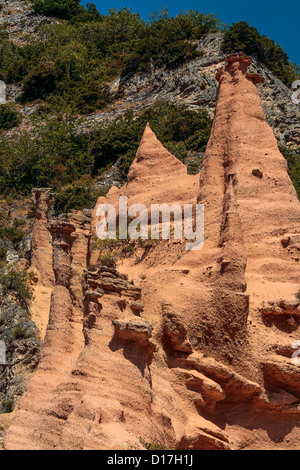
242, 37
78, 195
69, 63
55, 153
167, 41
65, 9
179, 129
9, 117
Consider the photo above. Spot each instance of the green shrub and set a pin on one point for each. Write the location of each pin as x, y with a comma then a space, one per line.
242, 37
91, 96
77, 196
19, 333
8, 406
17, 283
12, 233
152, 445
124, 163
9, 117
57, 155
178, 128
10, 230
40, 82
108, 260
65, 9
14, 60
3, 252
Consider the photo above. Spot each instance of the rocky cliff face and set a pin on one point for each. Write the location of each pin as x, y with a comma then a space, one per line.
21, 337
195, 351
195, 85
18, 17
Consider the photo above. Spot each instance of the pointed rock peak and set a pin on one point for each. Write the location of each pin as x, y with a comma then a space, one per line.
149, 132
153, 158
149, 140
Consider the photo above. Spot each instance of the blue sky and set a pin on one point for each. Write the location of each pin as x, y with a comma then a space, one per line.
278, 19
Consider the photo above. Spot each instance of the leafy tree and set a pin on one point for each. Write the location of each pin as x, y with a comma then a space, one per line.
55, 154
40, 82
91, 96
242, 37
14, 60
65, 9
177, 128
164, 41
78, 195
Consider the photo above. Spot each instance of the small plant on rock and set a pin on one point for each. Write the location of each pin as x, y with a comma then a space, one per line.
8, 406
108, 260
152, 445
19, 333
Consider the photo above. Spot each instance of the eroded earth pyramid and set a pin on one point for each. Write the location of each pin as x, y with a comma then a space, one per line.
191, 350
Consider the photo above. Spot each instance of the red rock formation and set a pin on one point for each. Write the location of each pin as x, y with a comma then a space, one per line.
141, 367
151, 177
151, 180
62, 343
287, 316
